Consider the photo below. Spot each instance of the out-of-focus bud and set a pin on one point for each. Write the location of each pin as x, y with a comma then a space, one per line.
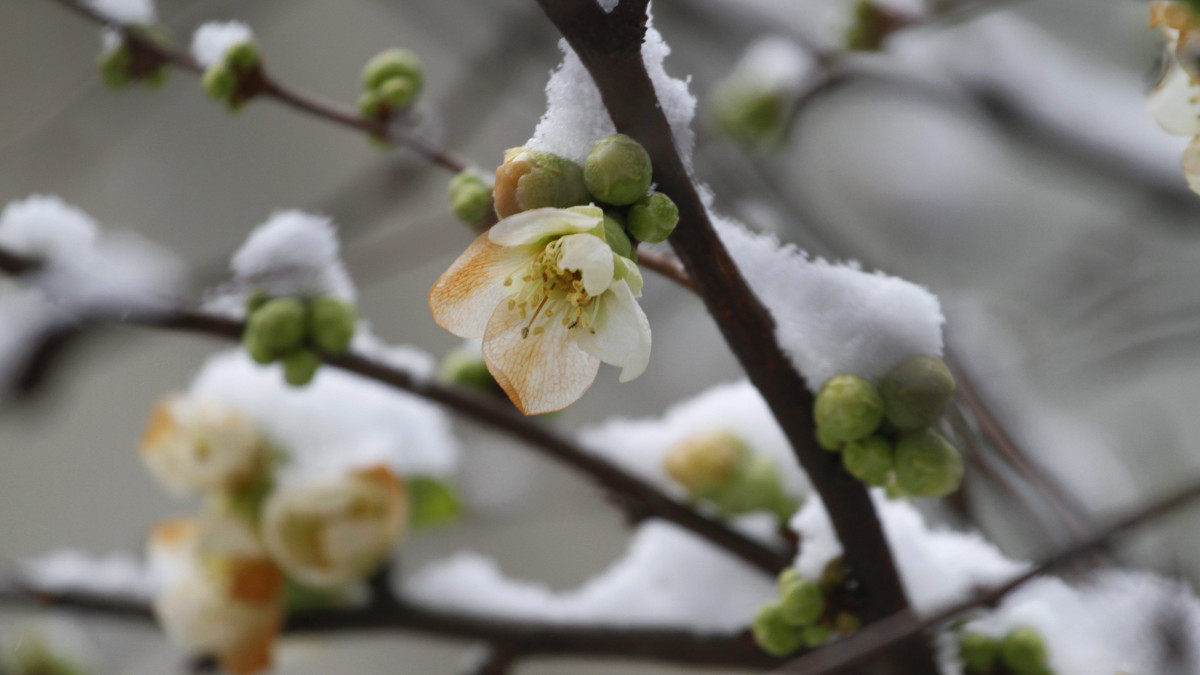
869, 460
275, 329
979, 653
870, 26
614, 234
219, 82
115, 66
242, 57
916, 392
773, 633
830, 444
1023, 651
331, 324
1191, 164
817, 634
470, 197
433, 502
529, 179
47, 647
194, 445
338, 531
705, 462
617, 170
755, 486
927, 465
300, 366
801, 600
399, 92
393, 64
847, 408
653, 218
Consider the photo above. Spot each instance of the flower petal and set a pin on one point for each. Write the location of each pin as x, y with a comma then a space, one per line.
622, 333
536, 225
465, 296
588, 254
1175, 103
540, 373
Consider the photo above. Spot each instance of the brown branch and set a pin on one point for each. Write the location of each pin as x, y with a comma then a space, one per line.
610, 48
269, 87
877, 638
665, 265
16, 264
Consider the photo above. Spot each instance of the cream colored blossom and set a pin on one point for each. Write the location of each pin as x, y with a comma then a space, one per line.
551, 301
337, 531
193, 445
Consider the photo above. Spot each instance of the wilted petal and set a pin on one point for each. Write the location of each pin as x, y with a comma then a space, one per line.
1175, 103
592, 257
465, 295
537, 225
540, 373
622, 333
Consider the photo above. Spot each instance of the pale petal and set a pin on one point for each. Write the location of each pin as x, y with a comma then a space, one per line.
628, 270
1175, 103
1191, 164
540, 373
590, 255
534, 226
465, 295
622, 333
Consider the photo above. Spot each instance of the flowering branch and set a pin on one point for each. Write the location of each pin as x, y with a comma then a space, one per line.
609, 45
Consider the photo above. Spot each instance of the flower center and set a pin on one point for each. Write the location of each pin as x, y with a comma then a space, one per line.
545, 292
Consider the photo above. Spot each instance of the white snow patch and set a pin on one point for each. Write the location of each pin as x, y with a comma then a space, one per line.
293, 253
44, 226
667, 578
608, 5
211, 40
118, 574
139, 12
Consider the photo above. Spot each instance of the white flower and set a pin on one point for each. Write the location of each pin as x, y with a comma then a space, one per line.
194, 445
551, 301
338, 531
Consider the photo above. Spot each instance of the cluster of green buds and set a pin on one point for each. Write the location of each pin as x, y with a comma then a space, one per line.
719, 468
124, 61
616, 176
886, 435
296, 331
870, 25
470, 197
1020, 652
237, 77
808, 613
391, 81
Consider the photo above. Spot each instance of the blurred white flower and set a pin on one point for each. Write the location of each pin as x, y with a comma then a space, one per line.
195, 445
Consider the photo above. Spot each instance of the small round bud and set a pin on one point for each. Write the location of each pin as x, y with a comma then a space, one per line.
751, 116
848, 408
614, 234
433, 502
300, 366
773, 633
331, 324
653, 218
391, 64
399, 92
617, 170
275, 329
978, 652
370, 105
220, 82
705, 462
257, 298
869, 460
1023, 651
755, 486
830, 444
916, 392
157, 77
242, 57
115, 65
927, 465
470, 197
815, 635
801, 601
529, 179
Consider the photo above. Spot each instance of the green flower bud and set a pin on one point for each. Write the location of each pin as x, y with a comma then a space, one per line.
115, 65
773, 633
978, 652
653, 218
751, 116
156, 78
432, 502
927, 465
617, 170
916, 392
467, 369
242, 57
848, 408
399, 92
220, 83
869, 460
614, 234
300, 366
826, 442
370, 105
755, 487
846, 623
869, 27
275, 329
529, 179
815, 635
331, 324
801, 601
1023, 651
470, 197
706, 462
391, 64
256, 299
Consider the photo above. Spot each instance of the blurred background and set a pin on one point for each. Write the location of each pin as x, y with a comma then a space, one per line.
1003, 159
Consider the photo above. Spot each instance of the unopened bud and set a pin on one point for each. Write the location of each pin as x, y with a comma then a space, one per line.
1023, 651
529, 179
979, 653
816, 634
465, 366
773, 633
219, 82
927, 465
830, 444
331, 324
115, 64
392, 64
300, 366
433, 502
869, 460
275, 329
653, 218
618, 170
470, 197
399, 92
705, 462
916, 392
614, 234
242, 57
847, 408
755, 487
870, 26
801, 601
